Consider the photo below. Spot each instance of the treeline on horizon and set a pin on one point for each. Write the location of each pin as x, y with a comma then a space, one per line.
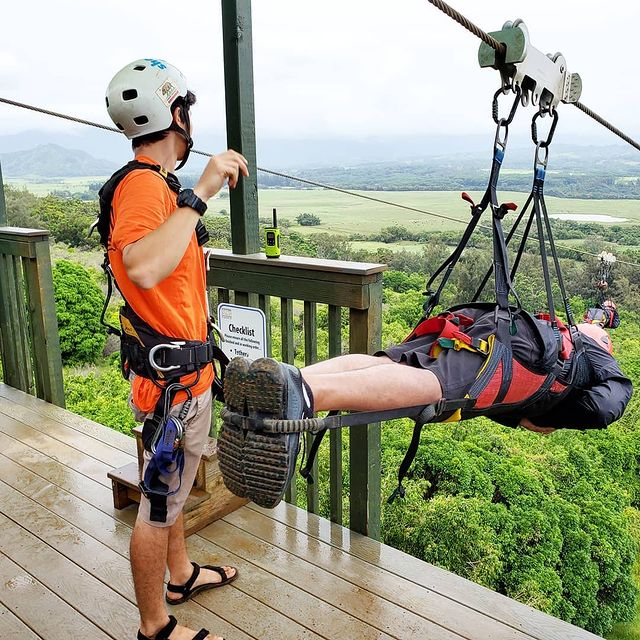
418, 177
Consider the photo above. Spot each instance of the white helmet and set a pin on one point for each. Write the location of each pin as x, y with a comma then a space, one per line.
140, 95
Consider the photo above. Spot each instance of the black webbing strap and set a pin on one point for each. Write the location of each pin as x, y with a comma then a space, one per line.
508, 239
489, 198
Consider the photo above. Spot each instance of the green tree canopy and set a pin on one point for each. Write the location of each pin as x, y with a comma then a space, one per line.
79, 301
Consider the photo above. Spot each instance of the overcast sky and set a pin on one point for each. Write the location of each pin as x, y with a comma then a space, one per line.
324, 68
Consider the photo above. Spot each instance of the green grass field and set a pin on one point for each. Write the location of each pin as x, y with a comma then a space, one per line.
42, 188
344, 214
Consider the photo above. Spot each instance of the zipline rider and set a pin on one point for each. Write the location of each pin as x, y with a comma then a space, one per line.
152, 230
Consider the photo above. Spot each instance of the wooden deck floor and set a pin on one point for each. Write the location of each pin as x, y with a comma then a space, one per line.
64, 570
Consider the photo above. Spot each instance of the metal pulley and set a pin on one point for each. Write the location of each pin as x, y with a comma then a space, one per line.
543, 79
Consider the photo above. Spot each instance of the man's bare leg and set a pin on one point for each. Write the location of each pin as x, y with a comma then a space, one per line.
148, 553
180, 568
386, 386
348, 362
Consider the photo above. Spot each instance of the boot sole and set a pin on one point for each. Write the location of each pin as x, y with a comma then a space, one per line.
231, 439
270, 458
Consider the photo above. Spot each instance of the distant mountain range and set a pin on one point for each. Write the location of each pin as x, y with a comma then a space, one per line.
575, 171
53, 161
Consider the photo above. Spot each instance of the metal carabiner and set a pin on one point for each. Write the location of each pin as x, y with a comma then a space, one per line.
534, 129
167, 345
494, 106
541, 161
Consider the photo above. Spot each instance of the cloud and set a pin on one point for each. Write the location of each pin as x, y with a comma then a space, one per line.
330, 68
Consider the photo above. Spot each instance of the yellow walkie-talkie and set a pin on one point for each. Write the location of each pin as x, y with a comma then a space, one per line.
272, 239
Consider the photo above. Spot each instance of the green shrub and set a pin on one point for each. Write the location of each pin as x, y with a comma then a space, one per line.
101, 396
79, 302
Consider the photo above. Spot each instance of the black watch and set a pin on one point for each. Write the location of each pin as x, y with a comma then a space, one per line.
186, 198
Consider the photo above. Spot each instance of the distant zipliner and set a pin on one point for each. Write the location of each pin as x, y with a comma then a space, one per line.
605, 311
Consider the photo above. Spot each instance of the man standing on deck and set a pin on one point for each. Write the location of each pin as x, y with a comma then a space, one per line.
155, 257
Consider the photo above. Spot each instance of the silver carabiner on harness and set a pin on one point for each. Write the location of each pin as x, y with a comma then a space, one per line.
166, 345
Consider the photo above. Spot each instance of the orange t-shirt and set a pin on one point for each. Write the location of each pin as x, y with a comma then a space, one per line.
177, 306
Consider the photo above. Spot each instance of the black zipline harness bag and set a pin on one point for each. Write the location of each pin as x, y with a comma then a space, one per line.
160, 358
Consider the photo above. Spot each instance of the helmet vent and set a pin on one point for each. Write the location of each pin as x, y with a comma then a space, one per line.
129, 94
141, 120
119, 126
107, 101
139, 67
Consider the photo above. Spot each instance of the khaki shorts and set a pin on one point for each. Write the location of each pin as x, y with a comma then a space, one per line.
196, 430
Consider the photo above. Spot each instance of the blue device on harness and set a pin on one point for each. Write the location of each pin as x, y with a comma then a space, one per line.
167, 449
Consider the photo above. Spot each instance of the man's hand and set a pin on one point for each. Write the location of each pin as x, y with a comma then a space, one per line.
225, 166
527, 424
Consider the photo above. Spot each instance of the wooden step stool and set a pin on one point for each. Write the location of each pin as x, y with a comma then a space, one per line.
209, 499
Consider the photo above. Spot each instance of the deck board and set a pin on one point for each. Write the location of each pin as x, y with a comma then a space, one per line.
63, 547
41, 609
357, 576
536, 624
12, 628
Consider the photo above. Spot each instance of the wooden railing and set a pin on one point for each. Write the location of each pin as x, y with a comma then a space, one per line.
301, 284
29, 342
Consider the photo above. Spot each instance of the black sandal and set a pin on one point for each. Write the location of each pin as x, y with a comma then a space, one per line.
186, 590
165, 632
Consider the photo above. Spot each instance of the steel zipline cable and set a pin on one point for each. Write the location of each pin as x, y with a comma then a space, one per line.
501, 50
313, 183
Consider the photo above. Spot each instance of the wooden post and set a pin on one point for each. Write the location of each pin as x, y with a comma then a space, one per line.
3, 204
364, 441
28, 324
238, 80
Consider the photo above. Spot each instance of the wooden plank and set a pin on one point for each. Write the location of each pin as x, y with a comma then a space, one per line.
365, 334
354, 295
17, 248
14, 367
11, 627
246, 298
47, 356
418, 600
102, 606
335, 435
310, 325
23, 233
359, 602
520, 616
264, 303
28, 408
24, 342
220, 258
72, 437
53, 618
288, 356
70, 457
243, 602
9, 353
96, 555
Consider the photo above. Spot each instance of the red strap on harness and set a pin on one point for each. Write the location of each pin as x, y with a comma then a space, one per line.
446, 325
